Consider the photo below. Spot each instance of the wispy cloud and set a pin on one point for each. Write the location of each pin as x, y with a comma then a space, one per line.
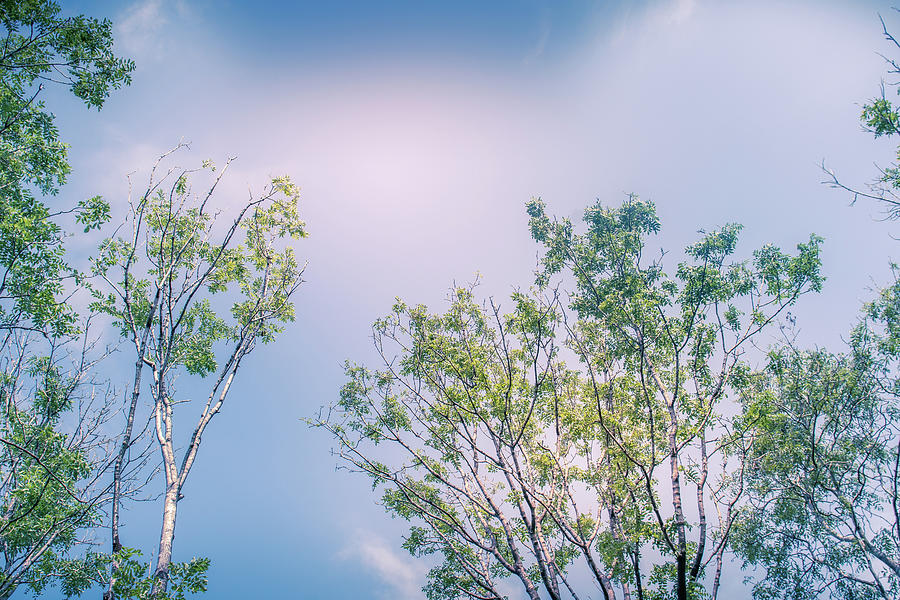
140, 27
537, 50
402, 575
679, 11
651, 19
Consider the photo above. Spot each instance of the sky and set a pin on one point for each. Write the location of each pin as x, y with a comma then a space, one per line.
417, 131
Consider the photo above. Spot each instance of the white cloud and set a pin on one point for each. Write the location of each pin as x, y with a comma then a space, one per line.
403, 575
139, 28
680, 11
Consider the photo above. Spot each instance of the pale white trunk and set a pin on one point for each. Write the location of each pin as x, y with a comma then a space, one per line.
166, 537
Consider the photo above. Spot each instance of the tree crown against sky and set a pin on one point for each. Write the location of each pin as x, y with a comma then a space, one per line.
56, 409
518, 465
823, 479
164, 285
42, 48
822, 473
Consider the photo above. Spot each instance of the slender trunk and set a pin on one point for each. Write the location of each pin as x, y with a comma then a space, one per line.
636, 561
718, 576
545, 559
14, 577
617, 535
605, 584
681, 565
166, 537
681, 550
7, 590
109, 594
613, 501
173, 488
701, 509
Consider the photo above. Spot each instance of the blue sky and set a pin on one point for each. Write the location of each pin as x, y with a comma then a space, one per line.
417, 131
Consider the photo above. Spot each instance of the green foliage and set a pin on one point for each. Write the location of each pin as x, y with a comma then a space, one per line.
41, 46
194, 293
822, 474
512, 464
664, 582
881, 116
822, 478
46, 467
43, 504
183, 261
134, 578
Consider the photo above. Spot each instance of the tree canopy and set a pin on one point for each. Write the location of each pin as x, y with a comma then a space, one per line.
565, 435
55, 408
42, 48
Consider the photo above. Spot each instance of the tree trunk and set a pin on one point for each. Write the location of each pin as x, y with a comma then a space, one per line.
141, 346
166, 537
109, 594
636, 561
8, 593
681, 563
681, 550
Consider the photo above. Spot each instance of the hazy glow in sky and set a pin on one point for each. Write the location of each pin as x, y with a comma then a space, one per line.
417, 131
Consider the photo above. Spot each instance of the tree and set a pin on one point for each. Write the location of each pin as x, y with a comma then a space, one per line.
41, 47
517, 465
54, 411
54, 458
822, 514
823, 475
881, 117
170, 283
